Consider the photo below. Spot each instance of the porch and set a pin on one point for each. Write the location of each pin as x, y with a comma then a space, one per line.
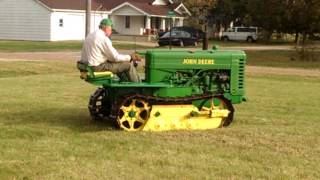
143, 25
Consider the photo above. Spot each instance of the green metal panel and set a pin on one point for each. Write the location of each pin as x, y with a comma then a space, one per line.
189, 59
234, 76
173, 92
160, 64
141, 85
237, 75
235, 99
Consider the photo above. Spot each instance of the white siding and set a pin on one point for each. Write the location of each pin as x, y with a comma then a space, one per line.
73, 27
136, 21
24, 20
127, 11
136, 25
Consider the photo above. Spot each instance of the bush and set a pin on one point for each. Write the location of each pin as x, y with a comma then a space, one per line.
308, 52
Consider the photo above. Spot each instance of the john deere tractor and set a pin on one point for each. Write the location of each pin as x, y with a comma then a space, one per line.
181, 90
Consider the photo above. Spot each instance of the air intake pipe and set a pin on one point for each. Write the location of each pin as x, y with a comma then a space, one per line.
205, 39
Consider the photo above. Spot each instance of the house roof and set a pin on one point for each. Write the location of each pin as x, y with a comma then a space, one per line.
109, 5
70, 4
148, 8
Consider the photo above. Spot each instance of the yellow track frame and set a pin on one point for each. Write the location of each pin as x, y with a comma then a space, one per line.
137, 115
188, 117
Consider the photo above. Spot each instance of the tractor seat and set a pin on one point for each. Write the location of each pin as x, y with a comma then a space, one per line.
87, 72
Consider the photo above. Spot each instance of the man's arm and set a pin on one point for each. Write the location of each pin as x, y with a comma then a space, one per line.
112, 53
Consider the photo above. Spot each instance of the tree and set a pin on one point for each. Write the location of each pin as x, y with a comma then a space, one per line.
226, 11
285, 16
267, 14
299, 17
222, 13
197, 10
302, 17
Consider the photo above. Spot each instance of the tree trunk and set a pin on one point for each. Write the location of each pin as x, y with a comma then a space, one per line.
304, 37
266, 36
296, 39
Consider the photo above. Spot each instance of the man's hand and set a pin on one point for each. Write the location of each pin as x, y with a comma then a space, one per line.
135, 57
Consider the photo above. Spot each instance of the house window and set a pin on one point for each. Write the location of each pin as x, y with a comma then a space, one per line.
127, 22
60, 22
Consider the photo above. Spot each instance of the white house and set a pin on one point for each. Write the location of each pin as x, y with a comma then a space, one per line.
55, 20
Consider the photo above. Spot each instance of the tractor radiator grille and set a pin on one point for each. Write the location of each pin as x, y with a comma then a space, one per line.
241, 73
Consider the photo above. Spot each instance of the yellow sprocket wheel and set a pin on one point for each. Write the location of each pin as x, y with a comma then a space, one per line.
133, 115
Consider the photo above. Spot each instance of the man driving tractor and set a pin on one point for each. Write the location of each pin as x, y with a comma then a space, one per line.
99, 53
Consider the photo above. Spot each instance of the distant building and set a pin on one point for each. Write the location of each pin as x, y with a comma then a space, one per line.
55, 20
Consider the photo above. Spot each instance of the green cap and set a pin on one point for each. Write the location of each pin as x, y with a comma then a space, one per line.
106, 22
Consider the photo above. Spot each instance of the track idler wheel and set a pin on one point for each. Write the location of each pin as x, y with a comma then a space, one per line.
133, 114
98, 108
221, 103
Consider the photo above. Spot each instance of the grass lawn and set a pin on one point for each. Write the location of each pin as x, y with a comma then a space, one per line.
38, 46
230, 43
281, 58
46, 133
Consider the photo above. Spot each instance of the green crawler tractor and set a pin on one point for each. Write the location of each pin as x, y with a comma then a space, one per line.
181, 90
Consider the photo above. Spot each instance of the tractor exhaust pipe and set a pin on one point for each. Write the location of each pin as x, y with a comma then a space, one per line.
205, 39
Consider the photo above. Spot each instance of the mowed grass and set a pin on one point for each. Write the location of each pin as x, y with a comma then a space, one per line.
46, 133
282, 58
